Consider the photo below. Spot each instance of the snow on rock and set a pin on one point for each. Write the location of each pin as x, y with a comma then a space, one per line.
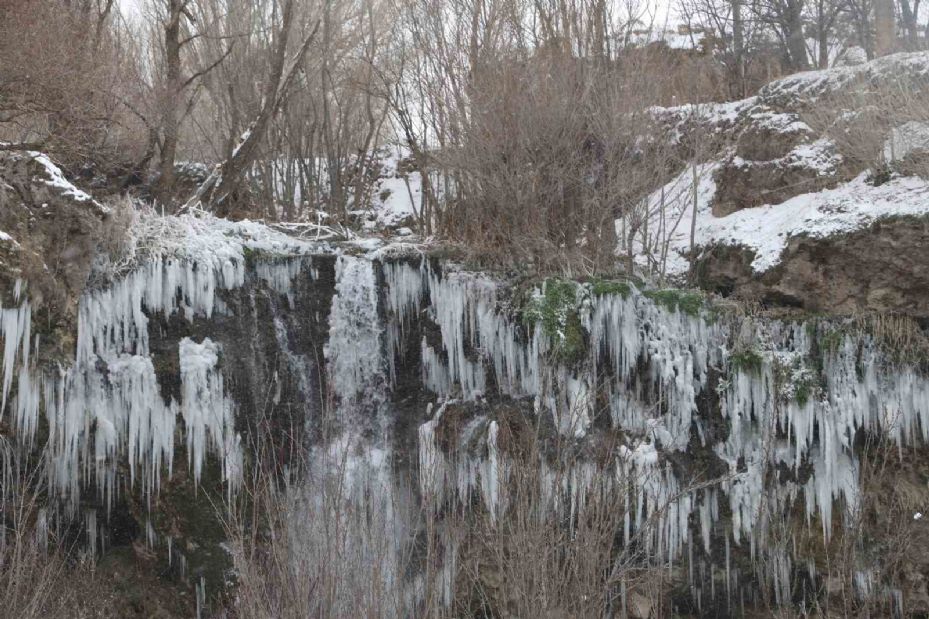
911, 138
819, 157
766, 230
847, 208
703, 118
811, 86
54, 178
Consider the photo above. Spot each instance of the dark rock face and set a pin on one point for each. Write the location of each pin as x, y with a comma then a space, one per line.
884, 268
274, 370
54, 232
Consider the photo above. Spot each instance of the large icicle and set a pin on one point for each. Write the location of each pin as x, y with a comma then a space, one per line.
208, 413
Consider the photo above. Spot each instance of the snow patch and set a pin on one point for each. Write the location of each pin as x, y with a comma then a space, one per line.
766, 230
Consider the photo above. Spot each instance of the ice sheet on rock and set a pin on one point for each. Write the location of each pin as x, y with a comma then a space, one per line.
208, 414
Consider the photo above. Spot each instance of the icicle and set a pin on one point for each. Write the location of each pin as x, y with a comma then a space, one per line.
15, 327
208, 414
353, 353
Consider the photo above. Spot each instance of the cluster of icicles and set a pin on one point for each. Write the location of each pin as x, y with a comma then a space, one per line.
106, 407
654, 363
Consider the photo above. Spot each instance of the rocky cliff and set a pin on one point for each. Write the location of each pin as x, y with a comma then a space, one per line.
742, 461
807, 194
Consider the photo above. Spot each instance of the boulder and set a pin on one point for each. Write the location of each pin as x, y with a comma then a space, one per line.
881, 268
806, 168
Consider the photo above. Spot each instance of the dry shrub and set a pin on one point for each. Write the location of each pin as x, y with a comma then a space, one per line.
68, 75
532, 561
555, 148
875, 562
900, 337
872, 124
349, 537
41, 574
325, 544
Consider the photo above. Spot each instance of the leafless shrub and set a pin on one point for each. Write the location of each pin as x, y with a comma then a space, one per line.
900, 337
883, 128
350, 537
67, 72
40, 574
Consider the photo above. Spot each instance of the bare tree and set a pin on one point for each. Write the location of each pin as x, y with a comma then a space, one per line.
218, 190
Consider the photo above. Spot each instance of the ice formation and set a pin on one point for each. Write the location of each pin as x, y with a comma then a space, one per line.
107, 407
207, 411
353, 352
664, 377
655, 363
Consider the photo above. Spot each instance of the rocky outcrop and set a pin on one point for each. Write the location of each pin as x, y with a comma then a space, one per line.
50, 232
816, 88
810, 204
882, 268
777, 156
806, 168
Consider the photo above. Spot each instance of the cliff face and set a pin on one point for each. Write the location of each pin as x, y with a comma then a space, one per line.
740, 450
881, 268
743, 462
52, 229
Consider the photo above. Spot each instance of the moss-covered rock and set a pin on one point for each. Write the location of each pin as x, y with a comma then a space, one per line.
556, 308
689, 302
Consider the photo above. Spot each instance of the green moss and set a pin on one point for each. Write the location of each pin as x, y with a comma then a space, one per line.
687, 301
831, 340
746, 360
556, 310
251, 255
796, 380
802, 392
604, 287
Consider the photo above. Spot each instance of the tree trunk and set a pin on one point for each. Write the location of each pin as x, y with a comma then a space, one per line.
823, 45
884, 27
738, 45
908, 15
218, 191
170, 122
796, 44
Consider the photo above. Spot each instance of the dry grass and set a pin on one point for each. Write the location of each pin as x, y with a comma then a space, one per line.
350, 537
862, 121
41, 577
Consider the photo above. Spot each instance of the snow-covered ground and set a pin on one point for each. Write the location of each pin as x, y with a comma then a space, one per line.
766, 230
398, 196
